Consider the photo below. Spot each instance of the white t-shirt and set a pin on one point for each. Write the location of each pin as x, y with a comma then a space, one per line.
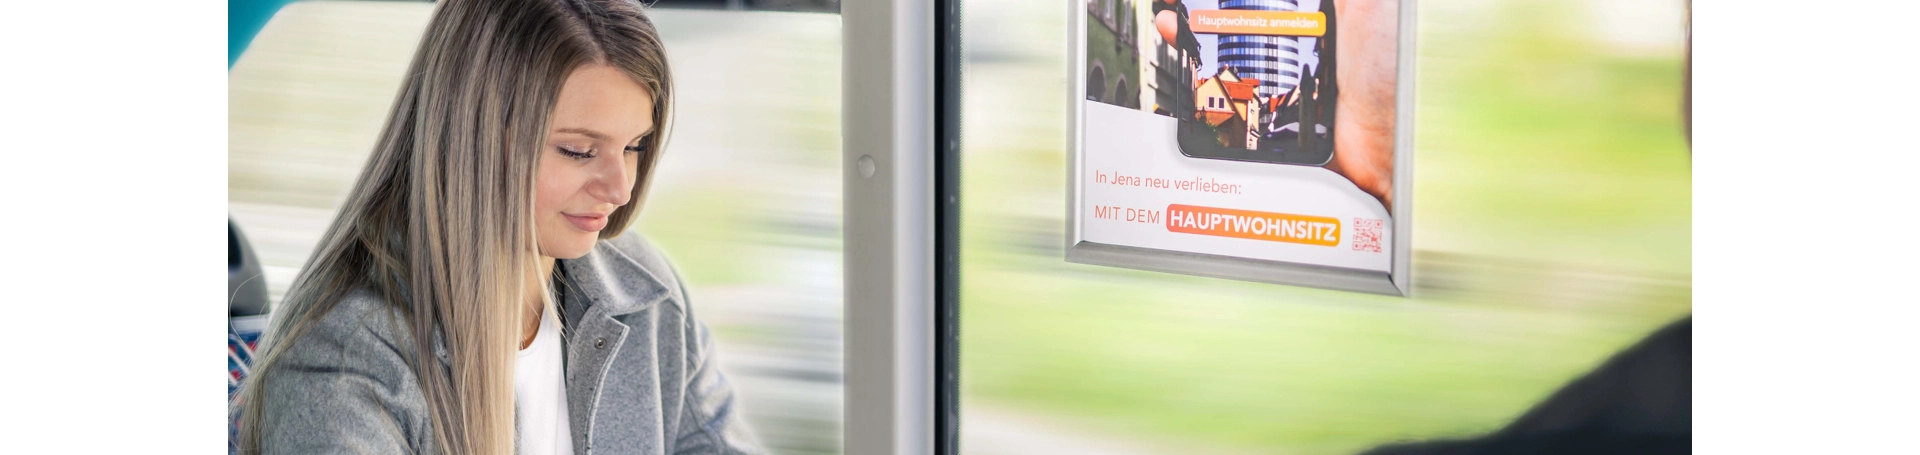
540, 393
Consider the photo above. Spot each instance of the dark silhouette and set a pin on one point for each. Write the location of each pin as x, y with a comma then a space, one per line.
1638, 402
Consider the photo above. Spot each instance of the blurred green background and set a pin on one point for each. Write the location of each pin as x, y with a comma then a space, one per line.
1551, 227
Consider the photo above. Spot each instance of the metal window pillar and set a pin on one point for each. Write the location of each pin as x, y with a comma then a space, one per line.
900, 129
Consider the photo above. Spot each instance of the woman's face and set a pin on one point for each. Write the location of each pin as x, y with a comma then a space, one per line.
591, 158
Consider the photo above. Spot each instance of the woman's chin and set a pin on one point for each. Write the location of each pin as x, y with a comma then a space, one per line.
570, 249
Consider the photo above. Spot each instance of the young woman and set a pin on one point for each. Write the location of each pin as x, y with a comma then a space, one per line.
475, 294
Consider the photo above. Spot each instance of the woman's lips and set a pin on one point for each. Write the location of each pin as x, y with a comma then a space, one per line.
588, 222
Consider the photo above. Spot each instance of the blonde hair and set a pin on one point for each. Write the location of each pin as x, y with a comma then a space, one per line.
439, 223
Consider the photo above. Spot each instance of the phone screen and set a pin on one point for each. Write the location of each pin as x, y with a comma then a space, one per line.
1247, 80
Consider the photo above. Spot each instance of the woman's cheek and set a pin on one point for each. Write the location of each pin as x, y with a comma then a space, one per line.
549, 193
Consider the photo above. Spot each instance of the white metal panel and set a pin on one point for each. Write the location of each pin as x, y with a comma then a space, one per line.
889, 232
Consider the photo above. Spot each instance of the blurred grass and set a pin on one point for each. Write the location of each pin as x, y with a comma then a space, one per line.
1552, 228
1536, 142
706, 258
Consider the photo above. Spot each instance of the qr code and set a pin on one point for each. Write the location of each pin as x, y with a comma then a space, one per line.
1366, 234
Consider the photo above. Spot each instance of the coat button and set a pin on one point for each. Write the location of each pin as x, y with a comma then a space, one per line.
600, 343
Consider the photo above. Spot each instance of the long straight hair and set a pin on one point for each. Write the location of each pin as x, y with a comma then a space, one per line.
440, 222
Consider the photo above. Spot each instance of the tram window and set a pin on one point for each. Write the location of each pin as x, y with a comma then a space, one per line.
1552, 231
758, 100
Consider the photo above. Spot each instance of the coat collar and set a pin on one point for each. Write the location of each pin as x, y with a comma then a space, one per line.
608, 279
613, 281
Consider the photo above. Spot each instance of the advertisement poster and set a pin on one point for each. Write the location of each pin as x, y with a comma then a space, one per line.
1263, 140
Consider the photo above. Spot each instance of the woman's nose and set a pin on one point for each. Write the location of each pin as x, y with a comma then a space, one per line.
614, 182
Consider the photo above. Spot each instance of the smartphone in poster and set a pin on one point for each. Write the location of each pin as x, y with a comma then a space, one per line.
1264, 140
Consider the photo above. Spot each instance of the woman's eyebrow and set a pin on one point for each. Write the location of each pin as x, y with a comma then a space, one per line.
595, 135
599, 136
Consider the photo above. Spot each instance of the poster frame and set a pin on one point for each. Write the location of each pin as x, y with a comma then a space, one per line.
1398, 281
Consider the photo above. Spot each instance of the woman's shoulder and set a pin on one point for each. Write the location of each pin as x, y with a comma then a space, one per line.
360, 333
359, 322
345, 384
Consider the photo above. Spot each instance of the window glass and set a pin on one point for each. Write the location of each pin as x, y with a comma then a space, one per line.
1551, 229
752, 221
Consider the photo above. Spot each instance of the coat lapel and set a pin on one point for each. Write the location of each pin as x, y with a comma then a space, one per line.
610, 285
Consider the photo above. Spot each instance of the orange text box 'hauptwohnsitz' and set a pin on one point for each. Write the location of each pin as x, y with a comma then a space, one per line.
1248, 224
1244, 22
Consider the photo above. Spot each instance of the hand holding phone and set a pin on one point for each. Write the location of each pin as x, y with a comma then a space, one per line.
1367, 51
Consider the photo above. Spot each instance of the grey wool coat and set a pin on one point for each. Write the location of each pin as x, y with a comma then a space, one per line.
640, 371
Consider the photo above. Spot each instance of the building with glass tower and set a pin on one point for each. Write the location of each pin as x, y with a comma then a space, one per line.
1273, 60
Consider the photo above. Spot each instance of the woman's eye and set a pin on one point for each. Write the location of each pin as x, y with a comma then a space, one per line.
571, 153
636, 149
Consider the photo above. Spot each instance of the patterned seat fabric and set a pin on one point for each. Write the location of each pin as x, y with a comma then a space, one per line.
243, 335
